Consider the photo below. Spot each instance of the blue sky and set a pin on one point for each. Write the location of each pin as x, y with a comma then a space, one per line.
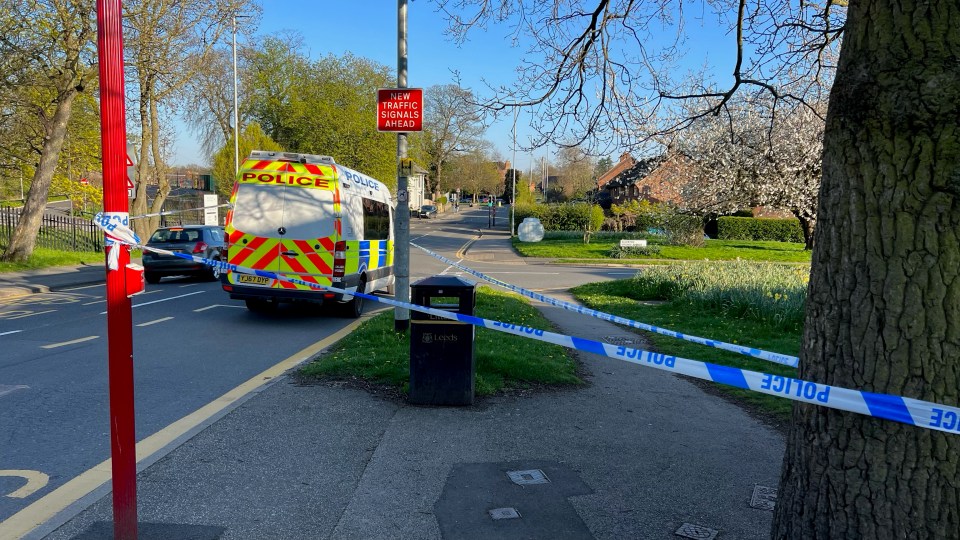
368, 28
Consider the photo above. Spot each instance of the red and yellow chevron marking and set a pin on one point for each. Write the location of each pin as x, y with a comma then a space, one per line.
321, 262
310, 264
258, 253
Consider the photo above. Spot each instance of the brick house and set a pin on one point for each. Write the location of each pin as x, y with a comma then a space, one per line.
657, 179
626, 162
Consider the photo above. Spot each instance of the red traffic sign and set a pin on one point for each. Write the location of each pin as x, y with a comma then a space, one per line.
131, 168
84, 182
400, 109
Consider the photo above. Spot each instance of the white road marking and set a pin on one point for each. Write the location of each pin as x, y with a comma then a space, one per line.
31, 314
65, 343
84, 287
94, 302
10, 332
198, 310
163, 300
6, 388
528, 273
155, 322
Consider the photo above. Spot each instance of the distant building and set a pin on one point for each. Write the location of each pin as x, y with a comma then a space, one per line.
626, 161
417, 187
658, 179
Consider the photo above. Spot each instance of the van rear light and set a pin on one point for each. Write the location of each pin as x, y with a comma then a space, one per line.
339, 258
200, 247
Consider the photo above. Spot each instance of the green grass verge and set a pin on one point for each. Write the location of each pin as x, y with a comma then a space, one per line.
714, 250
43, 258
375, 352
612, 297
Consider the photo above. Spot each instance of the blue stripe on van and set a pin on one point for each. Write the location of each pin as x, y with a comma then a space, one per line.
364, 246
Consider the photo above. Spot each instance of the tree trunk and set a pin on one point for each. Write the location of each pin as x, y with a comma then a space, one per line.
807, 224
24, 237
883, 310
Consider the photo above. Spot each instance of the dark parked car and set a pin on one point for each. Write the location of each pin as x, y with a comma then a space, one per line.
201, 240
428, 211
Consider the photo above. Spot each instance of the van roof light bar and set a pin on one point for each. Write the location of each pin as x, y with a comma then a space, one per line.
292, 156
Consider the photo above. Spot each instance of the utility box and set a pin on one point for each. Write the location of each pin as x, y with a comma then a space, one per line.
442, 367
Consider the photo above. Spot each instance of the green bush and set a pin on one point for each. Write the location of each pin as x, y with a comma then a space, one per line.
638, 215
633, 252
683, 230
743, 228
563, 217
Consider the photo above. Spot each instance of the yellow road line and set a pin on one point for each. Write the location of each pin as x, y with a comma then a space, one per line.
35, 480
44, 509
462, 252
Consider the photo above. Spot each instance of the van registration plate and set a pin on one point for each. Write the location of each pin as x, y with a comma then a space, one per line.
252, 280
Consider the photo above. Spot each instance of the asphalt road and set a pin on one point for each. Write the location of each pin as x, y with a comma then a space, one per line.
191, 345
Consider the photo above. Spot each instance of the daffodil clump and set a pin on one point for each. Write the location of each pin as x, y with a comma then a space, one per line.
771, 293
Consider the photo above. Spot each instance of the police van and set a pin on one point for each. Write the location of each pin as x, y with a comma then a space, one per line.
306, 217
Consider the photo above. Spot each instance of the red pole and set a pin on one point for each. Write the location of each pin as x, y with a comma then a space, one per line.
113, 136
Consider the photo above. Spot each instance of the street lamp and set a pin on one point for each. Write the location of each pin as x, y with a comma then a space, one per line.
513, 198
236, 121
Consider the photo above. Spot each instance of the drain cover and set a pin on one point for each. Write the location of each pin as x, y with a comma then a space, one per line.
698, 532
526, 478
619, 340
504, 513
764, 498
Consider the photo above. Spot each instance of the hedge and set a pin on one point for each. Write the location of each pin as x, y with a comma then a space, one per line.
744, 228
563, 217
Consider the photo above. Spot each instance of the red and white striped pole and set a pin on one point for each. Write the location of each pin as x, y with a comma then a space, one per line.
113, 136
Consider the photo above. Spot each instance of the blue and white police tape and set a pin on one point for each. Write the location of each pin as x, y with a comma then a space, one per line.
778, 358
116, 232
914, 412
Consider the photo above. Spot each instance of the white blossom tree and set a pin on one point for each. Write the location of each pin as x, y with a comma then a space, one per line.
756, 155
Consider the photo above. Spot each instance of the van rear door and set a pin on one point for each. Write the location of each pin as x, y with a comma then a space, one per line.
254, 234
309, 234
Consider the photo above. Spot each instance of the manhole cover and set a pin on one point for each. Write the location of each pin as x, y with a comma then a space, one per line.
764, 498
699, 532
619, 340
504, 513
526, 478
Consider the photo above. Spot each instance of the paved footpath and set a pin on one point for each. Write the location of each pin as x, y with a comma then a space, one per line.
636, 453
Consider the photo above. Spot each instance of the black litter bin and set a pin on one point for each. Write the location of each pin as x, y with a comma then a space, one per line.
442, 368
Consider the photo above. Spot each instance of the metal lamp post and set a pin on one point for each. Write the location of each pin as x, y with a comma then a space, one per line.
513, 198
236, 114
